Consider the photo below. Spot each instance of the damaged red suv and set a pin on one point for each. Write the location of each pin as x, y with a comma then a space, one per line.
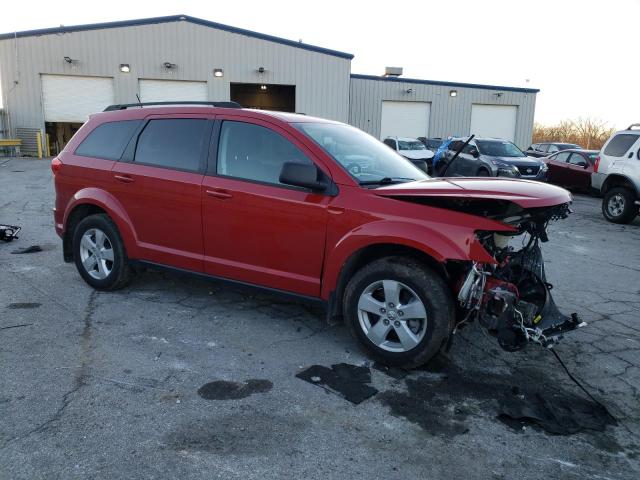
314, 208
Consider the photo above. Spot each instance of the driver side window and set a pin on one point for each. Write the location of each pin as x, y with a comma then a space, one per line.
253, 152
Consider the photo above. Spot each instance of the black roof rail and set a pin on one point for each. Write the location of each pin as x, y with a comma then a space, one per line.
630, 127
124, 106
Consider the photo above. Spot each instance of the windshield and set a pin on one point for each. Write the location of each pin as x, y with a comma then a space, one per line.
498, 148
365, 158
410, 145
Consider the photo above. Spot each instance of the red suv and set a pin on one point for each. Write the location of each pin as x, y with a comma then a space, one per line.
314, 208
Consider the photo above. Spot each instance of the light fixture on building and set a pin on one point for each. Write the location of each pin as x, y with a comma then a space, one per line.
218, 72
263, 87
453, 93
408, 91
499, 94
70, 60
124, 68
169, 65
261, 69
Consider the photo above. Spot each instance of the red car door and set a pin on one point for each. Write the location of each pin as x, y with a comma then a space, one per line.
579, 171
159, 188
257, 230
558, 168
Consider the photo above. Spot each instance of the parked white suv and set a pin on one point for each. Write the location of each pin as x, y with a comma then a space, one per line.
617, 175
412, 149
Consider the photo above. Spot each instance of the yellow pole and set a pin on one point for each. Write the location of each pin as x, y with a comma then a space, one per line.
39, 142
47, 144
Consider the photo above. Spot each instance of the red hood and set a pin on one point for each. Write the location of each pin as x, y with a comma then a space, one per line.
526, 193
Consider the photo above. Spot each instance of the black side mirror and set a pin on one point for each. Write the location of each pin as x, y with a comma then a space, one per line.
475, 153
585, 165
302, 175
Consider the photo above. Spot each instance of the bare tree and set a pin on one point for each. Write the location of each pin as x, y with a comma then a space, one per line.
587, 132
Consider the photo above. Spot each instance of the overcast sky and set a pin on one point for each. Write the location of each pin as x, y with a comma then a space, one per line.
583, 55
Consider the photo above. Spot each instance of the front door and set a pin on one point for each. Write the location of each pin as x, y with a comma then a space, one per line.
256, 229
159, 188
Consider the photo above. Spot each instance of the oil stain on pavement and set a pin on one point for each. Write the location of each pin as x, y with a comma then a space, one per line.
25, 305
225, 390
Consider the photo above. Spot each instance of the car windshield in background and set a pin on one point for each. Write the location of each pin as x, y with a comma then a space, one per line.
404, 145
498, 148
366, 159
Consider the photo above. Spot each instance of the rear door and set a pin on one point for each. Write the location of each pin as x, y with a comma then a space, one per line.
158, 183
558, 168
257, 230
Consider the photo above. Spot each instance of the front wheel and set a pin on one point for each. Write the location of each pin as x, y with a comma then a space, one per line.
618, 205
399, 310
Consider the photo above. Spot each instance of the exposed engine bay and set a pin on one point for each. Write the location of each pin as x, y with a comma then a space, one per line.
511, 299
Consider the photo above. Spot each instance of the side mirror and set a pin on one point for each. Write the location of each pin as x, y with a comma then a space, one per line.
475, 153
421, 164
302, 175
585, 165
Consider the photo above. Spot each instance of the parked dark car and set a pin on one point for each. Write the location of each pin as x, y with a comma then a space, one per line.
490, 157
431, 143
267, 198
572, 168
548, 148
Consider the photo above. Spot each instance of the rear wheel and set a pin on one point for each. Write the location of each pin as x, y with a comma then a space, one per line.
483, 172
618, 205
99, 255
399, 310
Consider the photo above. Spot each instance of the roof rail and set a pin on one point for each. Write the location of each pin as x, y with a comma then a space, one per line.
630, 127
124, 106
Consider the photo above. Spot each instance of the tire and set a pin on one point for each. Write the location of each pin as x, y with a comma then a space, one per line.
415, 281
98, 244
618, 205
483, 172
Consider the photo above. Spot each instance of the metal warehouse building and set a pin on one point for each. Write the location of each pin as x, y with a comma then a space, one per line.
52, 79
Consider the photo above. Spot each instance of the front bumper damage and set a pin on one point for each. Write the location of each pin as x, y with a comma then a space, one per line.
512, 299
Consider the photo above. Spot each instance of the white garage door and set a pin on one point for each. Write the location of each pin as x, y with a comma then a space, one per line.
68, 98
497, 121
405, 119
169, 90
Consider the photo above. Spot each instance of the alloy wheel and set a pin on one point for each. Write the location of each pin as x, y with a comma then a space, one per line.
392, 316
96, 253
615, 206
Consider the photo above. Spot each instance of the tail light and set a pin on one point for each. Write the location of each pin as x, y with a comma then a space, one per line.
597, 164
56, 165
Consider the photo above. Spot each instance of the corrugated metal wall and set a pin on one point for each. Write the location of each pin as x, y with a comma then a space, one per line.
449, 115
321, 80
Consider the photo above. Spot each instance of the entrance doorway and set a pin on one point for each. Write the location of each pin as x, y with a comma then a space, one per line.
265, 96
59, 134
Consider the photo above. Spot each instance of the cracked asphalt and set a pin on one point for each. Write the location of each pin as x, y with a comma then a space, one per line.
105, 385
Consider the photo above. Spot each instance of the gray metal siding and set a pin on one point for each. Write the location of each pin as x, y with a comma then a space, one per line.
449, 115
321, 80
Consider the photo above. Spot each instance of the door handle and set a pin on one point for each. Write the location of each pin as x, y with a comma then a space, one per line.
219, 193
124, 178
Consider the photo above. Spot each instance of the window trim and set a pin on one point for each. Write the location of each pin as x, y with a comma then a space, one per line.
133, 135
131, 149
214, 147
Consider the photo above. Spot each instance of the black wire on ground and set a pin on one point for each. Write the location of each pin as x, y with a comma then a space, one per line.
575, 380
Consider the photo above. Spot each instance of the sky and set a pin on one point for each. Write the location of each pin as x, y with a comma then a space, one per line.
582, 55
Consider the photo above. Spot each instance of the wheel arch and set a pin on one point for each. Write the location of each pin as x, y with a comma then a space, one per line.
618, 180
92, 201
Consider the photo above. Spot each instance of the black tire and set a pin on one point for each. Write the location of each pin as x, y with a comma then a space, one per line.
431, 290
625, 199
120, 272
483, 172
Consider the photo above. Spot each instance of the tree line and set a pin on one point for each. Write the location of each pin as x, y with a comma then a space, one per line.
589, 133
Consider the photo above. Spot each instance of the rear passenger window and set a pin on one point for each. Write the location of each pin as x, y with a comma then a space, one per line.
254, 152
562, 156
620, 144
172, 143
108, 140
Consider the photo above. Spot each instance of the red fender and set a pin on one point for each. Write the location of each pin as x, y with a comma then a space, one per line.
115, 210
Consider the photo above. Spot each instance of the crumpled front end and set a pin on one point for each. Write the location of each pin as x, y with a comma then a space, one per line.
511, 298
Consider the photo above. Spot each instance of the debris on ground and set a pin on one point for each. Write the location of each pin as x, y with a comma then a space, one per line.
9, 232
351, 382
225, 390
30, 249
